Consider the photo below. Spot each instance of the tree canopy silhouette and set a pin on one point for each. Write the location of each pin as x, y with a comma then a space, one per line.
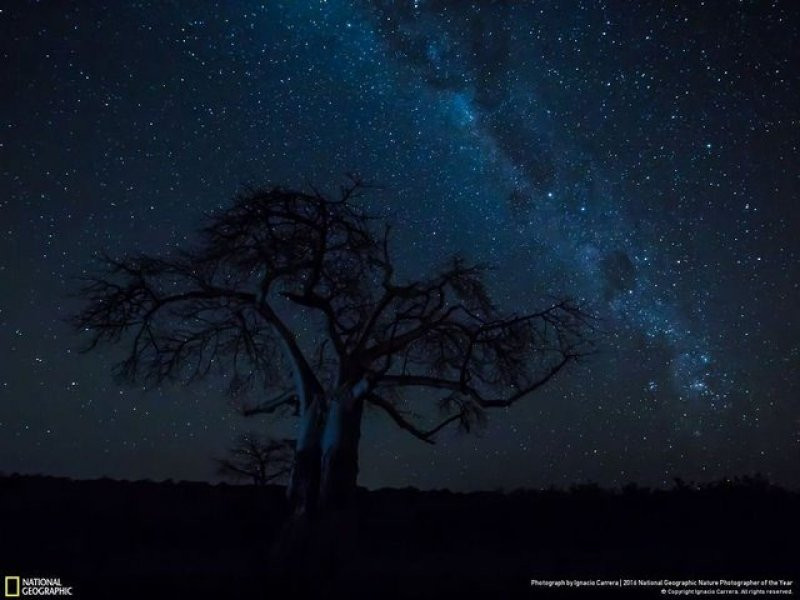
260, 459
293, 295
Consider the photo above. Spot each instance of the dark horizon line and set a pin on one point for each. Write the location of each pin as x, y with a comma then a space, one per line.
738, 481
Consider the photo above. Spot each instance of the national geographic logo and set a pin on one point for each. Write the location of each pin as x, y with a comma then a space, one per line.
16, 586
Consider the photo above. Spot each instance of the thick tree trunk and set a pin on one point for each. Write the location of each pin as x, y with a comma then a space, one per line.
304, 481
334, 538
291, 555
320, 538
340, 454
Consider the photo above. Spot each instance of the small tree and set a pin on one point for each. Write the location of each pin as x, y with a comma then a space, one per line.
262, 460
294, 294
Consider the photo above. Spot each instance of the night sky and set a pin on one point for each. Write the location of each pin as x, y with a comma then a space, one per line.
640, 156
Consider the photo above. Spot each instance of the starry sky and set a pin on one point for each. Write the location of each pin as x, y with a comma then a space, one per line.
642, 157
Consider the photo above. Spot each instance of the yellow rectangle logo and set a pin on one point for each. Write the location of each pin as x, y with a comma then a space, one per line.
12, 587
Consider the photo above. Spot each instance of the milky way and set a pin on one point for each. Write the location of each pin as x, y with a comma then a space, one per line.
640, 158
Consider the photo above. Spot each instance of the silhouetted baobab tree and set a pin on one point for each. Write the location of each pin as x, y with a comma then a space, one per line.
262, 460
294, 295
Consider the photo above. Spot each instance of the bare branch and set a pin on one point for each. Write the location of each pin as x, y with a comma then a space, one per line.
287, 398
403, 423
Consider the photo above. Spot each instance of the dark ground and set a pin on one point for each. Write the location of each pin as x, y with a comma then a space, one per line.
117, 539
